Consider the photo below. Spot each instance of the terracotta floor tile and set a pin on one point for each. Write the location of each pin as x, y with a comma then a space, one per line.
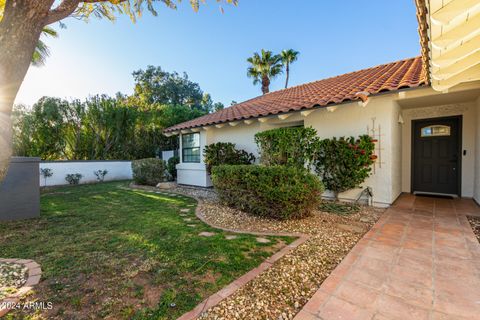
410, 292
315, 302
396, 308
414, 276
420, 261
357, 294
369, 278
338, 309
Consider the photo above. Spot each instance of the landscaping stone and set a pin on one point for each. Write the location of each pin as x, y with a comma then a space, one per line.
352, 228
262, 240
206, 234
191, 225
166, 185
230, 237
12, 277
185, 210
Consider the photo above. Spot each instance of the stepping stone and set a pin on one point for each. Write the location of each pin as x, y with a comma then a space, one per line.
190, 205
230, 237
350, 228
187, 219
263, 240
184, 210
191, 225
206, 234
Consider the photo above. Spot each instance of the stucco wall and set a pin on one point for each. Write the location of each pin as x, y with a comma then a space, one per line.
353, 120
469, 132
476, 194
117, 170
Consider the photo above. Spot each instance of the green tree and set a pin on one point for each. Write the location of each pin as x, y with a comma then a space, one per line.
155, 86
263, 68
21, 24
288, 57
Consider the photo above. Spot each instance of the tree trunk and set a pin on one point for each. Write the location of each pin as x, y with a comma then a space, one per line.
265, 84
288, 74
20, 28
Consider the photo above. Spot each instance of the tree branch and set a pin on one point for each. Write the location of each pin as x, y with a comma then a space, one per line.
64, 9
67, 7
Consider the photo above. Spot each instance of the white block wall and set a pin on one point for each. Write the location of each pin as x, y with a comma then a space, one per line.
117, 170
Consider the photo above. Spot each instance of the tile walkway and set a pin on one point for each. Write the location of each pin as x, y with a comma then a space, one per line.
421, 260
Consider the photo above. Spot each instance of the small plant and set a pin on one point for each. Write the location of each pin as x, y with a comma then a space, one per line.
172, 167
225, 153
100, 174
342, 209
149, 171
46, 173
73, 178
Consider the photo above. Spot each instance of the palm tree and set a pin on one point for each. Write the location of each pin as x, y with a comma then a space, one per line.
41, 50
288, 57
264, 67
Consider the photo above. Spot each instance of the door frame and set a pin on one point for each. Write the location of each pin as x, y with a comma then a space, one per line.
459, 118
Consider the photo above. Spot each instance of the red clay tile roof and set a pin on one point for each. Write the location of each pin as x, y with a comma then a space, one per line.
393, 76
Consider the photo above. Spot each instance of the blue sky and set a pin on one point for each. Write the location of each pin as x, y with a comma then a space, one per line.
333, 37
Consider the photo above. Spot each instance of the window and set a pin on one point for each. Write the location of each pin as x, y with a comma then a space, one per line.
191, 147
435, 131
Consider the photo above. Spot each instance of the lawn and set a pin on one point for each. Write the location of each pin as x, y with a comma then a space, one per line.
108, 251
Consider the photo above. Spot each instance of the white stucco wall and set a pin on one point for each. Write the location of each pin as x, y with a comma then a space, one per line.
468, 111
117, 170
476, 194
353, 120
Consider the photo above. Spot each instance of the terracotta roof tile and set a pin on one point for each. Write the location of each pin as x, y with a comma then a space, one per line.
393, 76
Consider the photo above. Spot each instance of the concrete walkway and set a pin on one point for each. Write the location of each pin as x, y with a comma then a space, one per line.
420, 261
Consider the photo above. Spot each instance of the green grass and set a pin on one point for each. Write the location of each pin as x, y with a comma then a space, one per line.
110, 251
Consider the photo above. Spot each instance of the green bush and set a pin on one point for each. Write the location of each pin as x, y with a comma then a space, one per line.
148, 171
344, 163
294, 146
279, 192
225, 153
73, 178
172, 167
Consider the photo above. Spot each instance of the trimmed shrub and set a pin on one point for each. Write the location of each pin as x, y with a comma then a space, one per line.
278, 192
148, 171
73, 178
344, 163
172, 167
294, 146
225, 153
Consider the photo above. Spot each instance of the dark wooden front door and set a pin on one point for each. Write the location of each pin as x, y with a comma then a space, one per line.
436, 155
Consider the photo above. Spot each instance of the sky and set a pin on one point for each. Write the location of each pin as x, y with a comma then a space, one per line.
333, 37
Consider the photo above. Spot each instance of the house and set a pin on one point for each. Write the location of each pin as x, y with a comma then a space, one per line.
423, 112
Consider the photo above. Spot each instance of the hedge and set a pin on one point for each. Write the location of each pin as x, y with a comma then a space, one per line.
278, 192
148, 171
225, 153
292, 146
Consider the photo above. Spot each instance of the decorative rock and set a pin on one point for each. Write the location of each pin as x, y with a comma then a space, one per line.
166, 185
262, 240
206, 234
350, 228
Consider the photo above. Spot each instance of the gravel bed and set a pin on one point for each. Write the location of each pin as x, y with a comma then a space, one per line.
282, 290
475, 223
12, 277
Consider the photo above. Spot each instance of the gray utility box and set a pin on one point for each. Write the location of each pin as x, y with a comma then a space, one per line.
20, 190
